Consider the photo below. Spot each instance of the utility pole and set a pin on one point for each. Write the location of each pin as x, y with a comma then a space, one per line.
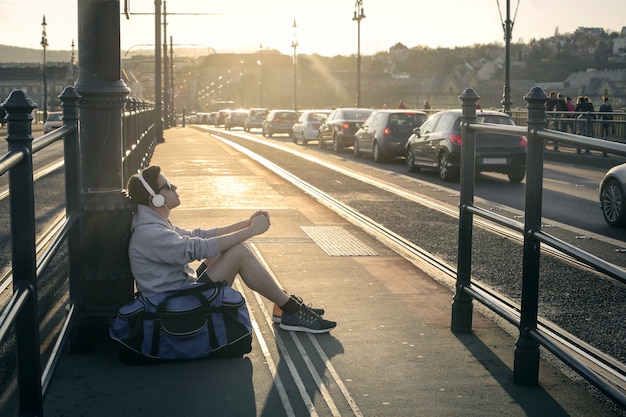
358, 16
44, 45
508, 28
158, 85
294, 45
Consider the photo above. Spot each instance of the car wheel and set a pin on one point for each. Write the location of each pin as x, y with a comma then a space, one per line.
294, 138
516, 173
304, 140
263, 132
612, 203
269, 133
377, 155
410, 161
320, 141
357, 151
445, 172
337, 145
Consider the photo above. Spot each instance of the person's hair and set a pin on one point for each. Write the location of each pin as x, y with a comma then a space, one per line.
605, 98
135, 189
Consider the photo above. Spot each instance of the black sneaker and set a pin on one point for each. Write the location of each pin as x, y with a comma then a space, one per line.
277, 312
305, 320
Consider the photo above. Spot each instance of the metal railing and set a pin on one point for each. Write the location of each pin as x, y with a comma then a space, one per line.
589, 362
22, 310
592, 124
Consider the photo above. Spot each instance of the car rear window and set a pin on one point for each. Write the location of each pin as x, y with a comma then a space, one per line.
286, 116
496, 120
317, 117
355, 114
404, 123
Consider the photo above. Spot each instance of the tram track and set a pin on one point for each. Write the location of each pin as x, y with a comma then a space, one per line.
49, 230
446, 273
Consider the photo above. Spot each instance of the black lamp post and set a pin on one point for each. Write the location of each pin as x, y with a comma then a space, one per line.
358, 16
260, 75
508, 28
294, 45
73, 61
241, 78
44, 45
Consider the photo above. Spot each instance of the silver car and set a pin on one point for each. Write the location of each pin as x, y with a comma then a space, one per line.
613, 196
308, 125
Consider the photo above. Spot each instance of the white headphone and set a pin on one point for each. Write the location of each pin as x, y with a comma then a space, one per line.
157, 199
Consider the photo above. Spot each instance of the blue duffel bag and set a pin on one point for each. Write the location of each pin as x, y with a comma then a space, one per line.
195, 321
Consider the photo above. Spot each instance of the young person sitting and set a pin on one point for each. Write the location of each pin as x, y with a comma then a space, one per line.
160, 253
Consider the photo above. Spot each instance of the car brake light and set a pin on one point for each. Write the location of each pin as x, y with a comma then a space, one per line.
456, 139
345, 126
277, 120
523, 142
387, 131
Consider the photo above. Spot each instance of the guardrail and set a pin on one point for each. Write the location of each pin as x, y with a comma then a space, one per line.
592, 124
590, 363
22, 310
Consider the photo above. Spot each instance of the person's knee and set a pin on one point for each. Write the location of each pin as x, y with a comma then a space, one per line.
240, 250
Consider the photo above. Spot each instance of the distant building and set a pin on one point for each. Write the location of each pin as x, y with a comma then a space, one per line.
29, 78
619, 43
398, 51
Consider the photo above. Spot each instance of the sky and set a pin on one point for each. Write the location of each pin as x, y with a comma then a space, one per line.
322, 26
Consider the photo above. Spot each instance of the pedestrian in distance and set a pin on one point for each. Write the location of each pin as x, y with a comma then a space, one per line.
605, 109
570, 113
401, 105
160, 253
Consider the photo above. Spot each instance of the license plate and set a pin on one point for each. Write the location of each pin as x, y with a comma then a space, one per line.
493, 161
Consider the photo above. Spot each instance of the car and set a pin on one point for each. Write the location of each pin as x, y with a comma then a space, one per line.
385, 133
437, 144
235, 118
54, 121
308, 125
220, 119
279, 121
613, 196
340, 127
254, 119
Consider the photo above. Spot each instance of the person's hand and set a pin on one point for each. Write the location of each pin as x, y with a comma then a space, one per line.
259, 223
260, 213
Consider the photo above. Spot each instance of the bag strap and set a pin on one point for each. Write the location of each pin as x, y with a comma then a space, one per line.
195, 290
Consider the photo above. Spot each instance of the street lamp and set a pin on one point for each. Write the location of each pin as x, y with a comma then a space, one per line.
358, 16
260, 62
294, 45
44, 45
506, 94
73, 61
241, 78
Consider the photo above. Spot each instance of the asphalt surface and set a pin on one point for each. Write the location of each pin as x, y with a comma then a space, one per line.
392, 353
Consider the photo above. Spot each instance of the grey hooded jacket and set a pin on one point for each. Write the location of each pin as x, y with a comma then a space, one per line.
160, 252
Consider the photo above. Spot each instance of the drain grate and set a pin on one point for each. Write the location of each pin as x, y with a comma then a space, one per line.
337, 241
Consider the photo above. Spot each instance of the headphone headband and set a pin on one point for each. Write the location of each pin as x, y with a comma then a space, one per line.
157, 199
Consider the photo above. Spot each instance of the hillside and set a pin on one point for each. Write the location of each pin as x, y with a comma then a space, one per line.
10, 54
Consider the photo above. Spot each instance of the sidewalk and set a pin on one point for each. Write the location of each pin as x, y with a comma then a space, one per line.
392, 353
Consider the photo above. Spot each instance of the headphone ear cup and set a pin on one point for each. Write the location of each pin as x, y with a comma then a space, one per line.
158, 200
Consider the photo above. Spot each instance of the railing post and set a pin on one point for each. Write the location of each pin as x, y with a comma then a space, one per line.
105, 209
462, 304
526, 362
69, 101
19, 108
